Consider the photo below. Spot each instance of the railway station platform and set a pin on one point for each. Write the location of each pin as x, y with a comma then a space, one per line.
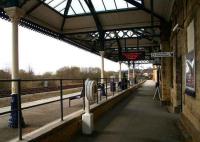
164, 34
138, 118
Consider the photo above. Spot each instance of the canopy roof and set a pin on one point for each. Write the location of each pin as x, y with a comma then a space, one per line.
79, 7
115, 26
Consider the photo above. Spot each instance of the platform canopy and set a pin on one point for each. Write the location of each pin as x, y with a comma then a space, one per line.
127, 30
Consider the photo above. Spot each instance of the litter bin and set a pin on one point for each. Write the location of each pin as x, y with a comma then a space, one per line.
112, 86
124, 84
102, 90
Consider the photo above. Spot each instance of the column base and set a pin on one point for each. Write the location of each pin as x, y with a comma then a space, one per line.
13, 119
174, 109
165, 103
87, 123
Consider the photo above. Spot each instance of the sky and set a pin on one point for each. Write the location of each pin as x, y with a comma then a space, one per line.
45, 54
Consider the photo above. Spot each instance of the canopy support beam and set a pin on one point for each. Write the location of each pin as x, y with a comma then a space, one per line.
65, 13
97, 22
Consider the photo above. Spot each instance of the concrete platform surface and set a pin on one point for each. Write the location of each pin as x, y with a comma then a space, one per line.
136, 119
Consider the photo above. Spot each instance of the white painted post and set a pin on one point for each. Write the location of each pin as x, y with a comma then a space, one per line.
120, 71
128, 73
15, 57
133, 75
87, 117
102, 66
129, 77
15, 15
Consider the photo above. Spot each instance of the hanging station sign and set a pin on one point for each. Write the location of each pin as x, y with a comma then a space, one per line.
133, 56
162, 54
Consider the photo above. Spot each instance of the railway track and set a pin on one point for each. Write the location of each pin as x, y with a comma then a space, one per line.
6, 93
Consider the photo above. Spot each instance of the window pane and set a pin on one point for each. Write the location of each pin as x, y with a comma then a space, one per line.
139, 1
58, 5
55, 3
61, 6
47, 1
85, 6
70, 11
110, 5
62, 12
80, 7
77, 7
130, 5
121, 4
98, 5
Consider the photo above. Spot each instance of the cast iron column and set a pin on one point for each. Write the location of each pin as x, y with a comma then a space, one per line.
120, 71
134, 79
128, 73
102, 66
15, 15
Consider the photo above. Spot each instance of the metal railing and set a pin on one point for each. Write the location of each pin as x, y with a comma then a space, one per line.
107, 85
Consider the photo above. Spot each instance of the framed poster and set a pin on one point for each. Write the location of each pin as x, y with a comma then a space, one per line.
190, 61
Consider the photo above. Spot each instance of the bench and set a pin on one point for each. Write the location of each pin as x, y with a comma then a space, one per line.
76, 97
100, 88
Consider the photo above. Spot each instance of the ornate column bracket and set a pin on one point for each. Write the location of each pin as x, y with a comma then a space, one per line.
120, 71
14, 13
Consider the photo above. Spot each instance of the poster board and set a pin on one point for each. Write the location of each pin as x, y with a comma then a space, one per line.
190, 61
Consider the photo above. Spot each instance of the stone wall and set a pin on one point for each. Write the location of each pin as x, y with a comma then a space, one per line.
184, 11
165, 73
165, 63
